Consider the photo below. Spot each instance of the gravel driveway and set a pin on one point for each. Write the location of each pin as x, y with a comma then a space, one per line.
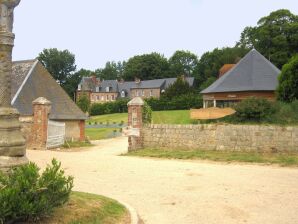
171, 191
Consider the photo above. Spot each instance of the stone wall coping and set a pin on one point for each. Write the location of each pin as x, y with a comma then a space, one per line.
41, 101
137, 101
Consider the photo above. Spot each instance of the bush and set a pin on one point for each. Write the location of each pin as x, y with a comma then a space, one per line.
146, 113
27, 195
254, 109
84, 103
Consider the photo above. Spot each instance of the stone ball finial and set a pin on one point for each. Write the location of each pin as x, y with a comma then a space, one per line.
137, 101
41, 101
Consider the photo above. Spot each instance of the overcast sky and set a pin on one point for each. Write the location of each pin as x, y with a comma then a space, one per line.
97, 31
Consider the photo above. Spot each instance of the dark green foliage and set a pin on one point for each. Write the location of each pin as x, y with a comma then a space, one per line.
207, 83
183, 63
275, 36
27, 195
146, 113
111, 71
118, 106
288, 81
182, 102
211, 62
179, 87
254, 109
146, 67
84, 103
61, 64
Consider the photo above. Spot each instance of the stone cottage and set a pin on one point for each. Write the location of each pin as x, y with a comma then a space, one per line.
30, 80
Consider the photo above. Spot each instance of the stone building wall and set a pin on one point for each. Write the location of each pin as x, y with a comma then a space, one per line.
221, 137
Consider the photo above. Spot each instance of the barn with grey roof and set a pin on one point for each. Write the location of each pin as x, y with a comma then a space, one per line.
253, 76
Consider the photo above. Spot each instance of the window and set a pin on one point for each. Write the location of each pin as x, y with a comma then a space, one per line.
113, 97
151, 92
79, 87
137, 92
102, 98
143, 93
107, 89
97, 98
122, 93
97, 89
107, 97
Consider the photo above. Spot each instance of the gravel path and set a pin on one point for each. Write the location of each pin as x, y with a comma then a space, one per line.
171, 191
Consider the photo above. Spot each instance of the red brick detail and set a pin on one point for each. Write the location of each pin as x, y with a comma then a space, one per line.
40, 125
82, 130
135, 121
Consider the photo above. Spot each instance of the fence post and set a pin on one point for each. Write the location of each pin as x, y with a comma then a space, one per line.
135, 121
41, 110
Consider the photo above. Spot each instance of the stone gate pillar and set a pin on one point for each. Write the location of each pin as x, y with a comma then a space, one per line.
41, 111
12, 142
135, 123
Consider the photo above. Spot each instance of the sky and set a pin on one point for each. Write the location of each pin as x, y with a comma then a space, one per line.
97, 31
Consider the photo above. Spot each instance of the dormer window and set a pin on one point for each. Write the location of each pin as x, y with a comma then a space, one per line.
79, 87
97, 89
122, 93
107, 89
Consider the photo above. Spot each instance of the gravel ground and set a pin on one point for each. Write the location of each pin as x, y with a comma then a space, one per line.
171, 191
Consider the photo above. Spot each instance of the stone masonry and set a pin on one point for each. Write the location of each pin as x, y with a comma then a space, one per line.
228, 137
135, 108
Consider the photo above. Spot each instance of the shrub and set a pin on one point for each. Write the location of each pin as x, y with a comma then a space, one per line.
84, 103
118, 106
253, 109
146, 113
27, 195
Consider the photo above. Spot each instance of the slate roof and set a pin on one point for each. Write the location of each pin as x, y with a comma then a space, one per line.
31, 80
87, 84
252, 73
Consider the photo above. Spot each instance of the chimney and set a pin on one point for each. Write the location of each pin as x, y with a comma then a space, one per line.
137, 80
224, 69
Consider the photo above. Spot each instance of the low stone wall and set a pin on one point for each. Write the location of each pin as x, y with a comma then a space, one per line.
26, 129
221, 137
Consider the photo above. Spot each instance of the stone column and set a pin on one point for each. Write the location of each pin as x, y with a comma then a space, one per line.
135, 122
41, 111
12, 142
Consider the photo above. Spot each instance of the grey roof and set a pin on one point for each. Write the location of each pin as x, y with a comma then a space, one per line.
89, 84
149, 84
253, 73
31, 80
170, 81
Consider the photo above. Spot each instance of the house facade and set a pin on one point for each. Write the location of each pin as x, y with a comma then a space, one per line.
252, 76
30, 80
102, 91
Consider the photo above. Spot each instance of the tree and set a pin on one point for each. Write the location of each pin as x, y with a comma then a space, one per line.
210, 62
84, 103
275, 36
111, 71
183, 63
71, 84
288, 81
60, 64
146, 67
178, 88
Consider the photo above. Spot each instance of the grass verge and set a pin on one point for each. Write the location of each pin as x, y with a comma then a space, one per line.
283, 159
84, 208
99, 133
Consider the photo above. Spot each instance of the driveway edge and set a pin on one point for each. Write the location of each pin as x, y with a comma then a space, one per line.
134, 217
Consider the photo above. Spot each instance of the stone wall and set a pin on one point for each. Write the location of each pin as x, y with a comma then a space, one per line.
26, 129
221, 137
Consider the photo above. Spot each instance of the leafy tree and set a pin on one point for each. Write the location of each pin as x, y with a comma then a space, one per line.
72, 81
146, 67
179, 87
84, 103
207, 83
211, 62
288, 81
112, 70
275, 36
183, 63
60, 64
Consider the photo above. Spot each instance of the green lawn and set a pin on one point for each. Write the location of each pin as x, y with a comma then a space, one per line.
159, 117
270, 158
99, 133
89, 209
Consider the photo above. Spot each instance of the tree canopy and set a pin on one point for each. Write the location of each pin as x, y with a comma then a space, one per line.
146, 67
183, 63
275, 36
60, 64
288, 81
179, 87
112, 70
